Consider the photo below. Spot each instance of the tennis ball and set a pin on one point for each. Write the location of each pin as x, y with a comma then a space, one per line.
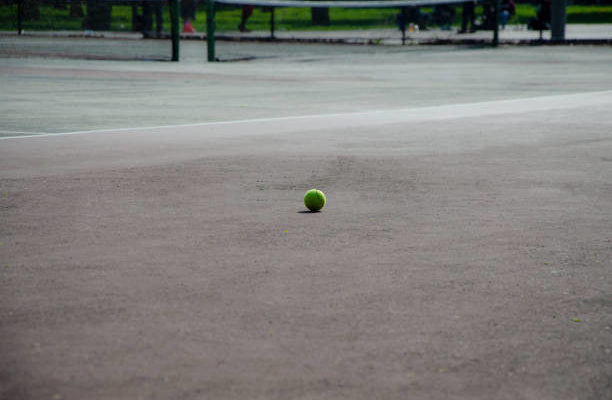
314, 199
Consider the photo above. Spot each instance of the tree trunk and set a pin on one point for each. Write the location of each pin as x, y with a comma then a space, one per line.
31, 10
76, 11
320, 16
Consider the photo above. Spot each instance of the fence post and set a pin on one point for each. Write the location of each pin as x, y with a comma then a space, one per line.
497, 7
210, 30
19, 17
175, 10
557, 21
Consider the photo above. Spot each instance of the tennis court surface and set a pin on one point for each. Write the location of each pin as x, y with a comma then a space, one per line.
154, 243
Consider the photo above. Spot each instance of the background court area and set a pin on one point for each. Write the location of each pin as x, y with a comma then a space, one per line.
161, 249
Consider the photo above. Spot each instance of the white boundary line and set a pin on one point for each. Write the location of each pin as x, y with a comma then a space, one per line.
22, 132
448, 111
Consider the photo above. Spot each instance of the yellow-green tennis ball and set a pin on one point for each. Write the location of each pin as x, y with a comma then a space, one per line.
314, 199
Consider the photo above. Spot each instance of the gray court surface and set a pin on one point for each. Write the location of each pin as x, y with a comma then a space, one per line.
154, 243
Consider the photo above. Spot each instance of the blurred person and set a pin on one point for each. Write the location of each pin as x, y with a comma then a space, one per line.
542, 20
188, 13
467, 17
150, 7
412, 15
443, 15
507, 10
247, 11
489, 18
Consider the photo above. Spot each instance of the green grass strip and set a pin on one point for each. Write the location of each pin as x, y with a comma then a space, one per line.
289, 19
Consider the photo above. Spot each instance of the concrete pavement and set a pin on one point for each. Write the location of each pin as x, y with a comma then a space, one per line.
464, 252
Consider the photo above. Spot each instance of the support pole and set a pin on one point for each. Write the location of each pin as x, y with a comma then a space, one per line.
497, 7
19, 17
175, 22
272, 23
210, 30
557, 21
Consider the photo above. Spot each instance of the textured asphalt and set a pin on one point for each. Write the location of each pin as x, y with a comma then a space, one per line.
154, 244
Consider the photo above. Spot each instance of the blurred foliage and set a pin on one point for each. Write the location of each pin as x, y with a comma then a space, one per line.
56, 16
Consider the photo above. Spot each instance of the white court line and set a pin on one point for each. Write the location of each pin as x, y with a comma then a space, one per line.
23, 132
451, 111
